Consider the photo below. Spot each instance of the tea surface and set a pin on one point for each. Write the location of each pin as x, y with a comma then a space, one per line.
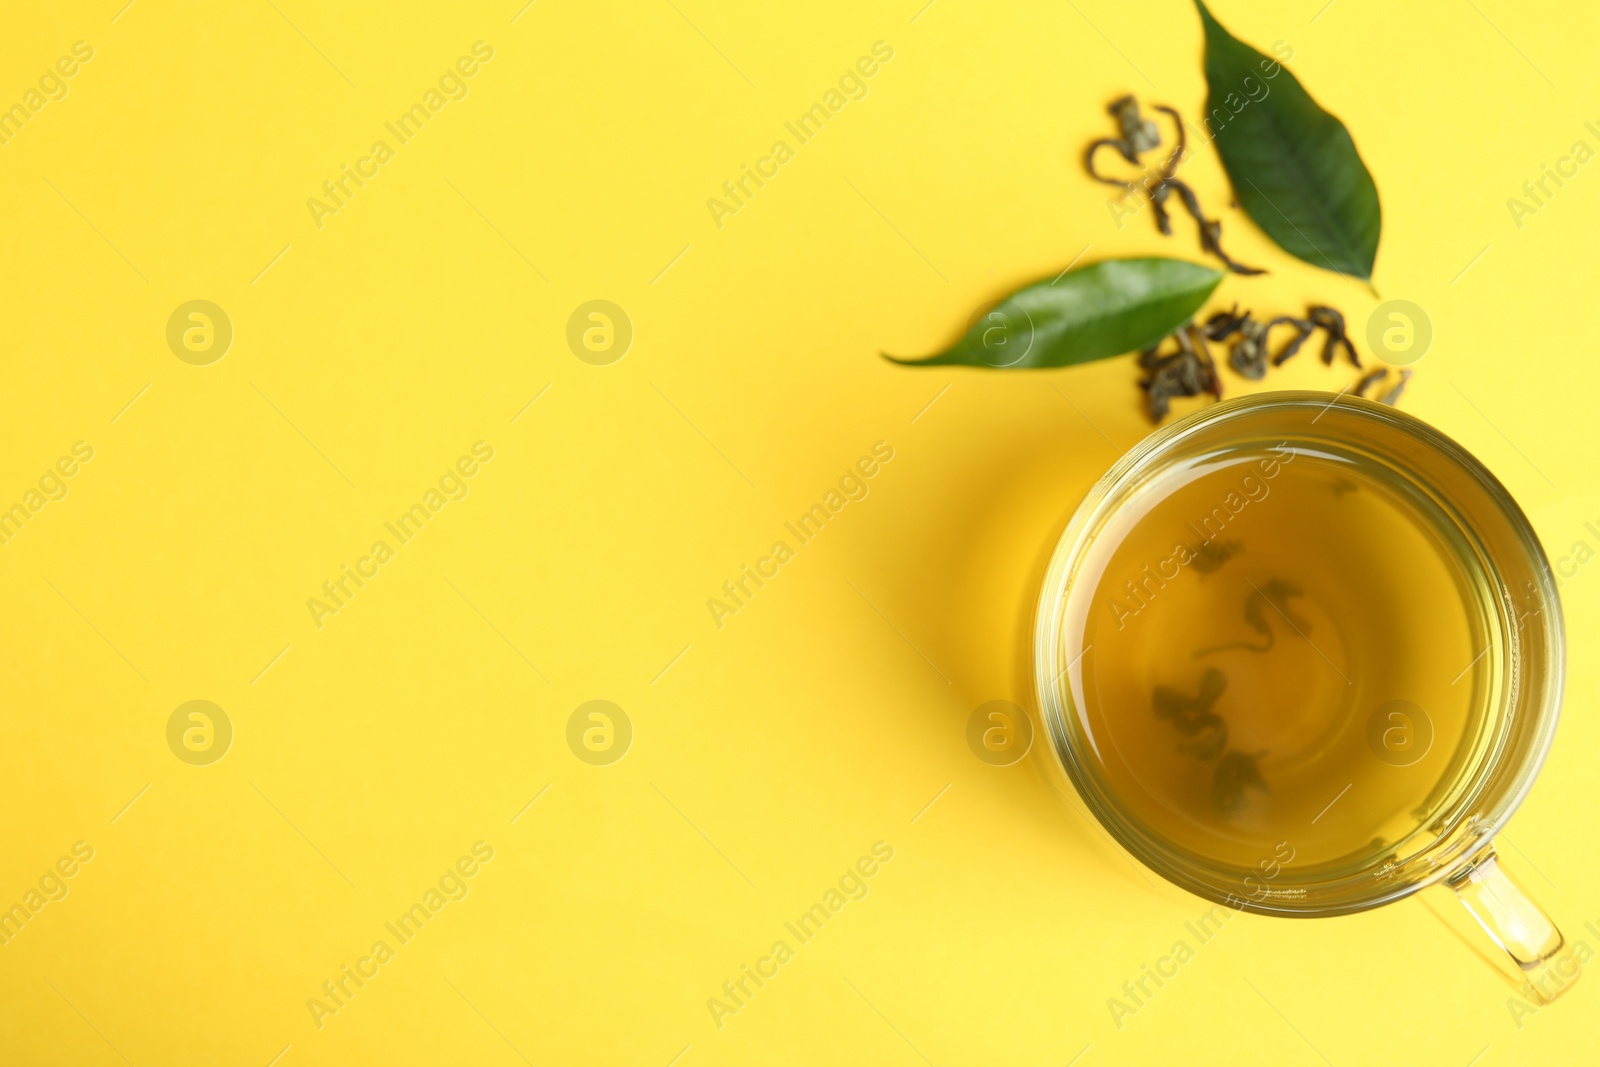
1282, 646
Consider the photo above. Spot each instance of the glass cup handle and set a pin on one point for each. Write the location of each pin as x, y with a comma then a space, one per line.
1514, 922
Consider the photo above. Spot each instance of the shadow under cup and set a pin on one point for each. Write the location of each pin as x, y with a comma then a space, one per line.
1488, 754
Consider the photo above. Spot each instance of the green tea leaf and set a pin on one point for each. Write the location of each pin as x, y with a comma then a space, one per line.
1293, 166
1104, 309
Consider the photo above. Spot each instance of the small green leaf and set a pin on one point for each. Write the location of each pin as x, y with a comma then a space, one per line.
1105, 309
1293, 166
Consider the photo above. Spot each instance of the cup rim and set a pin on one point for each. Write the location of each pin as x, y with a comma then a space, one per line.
1459, 845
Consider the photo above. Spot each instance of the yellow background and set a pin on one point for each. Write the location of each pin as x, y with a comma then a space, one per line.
829, 712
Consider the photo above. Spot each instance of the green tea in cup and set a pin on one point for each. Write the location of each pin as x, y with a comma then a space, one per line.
1303, 656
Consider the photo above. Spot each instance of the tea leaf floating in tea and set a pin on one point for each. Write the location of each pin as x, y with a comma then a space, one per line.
1237, 771
1294, 167
1276, 593
1193, 716
1100, 310
1188, 713
1257, 621
1385, 606
1207, 735
1213, 554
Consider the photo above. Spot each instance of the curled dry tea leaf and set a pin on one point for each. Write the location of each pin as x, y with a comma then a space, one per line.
1186, 371
1224, 324
1249, 353
1318, 317
1376, 377
1139, 135
1303, 328
1101, 310
1394, 391
1294, 167
1368, 380
1332, 322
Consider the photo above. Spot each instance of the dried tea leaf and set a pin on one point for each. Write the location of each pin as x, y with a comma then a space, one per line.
1140, 133
1367, 380
1180, 374
1399, 387
1332, 322
1303, 328
1224, 324
1188, 371
1249, 354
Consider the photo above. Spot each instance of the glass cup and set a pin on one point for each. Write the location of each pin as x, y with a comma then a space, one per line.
1487, 774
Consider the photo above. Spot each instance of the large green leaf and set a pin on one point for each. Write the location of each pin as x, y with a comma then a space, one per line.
1293, 166
1101, 310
